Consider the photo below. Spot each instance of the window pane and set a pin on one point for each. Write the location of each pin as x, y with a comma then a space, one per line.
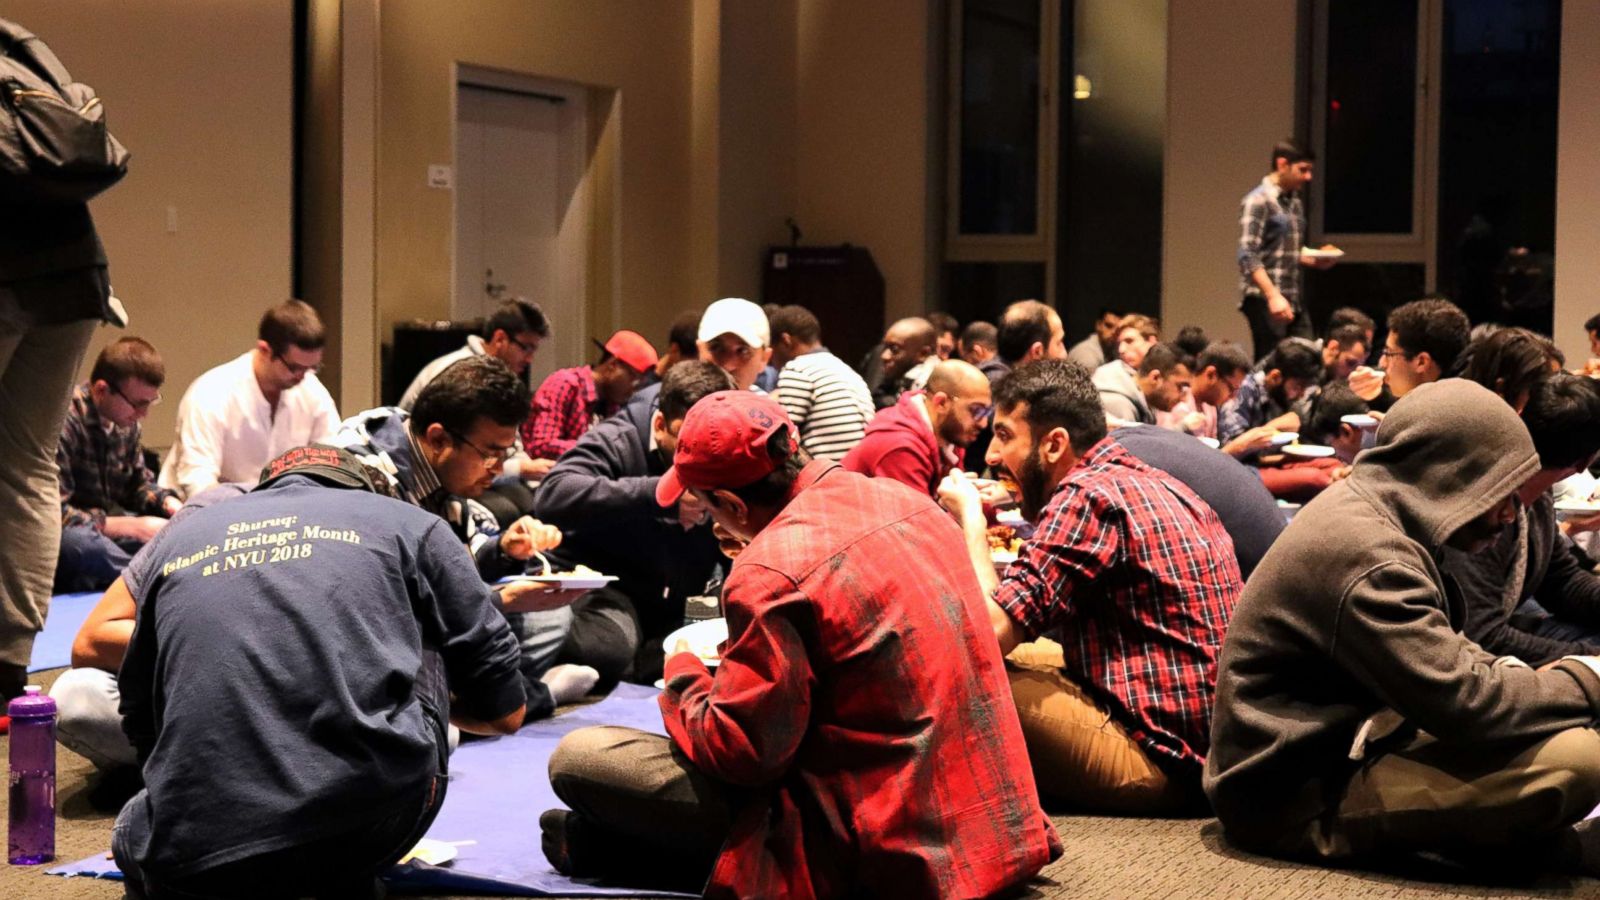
983, 290
1370, 116
1373, 288
1497, 158
999, 116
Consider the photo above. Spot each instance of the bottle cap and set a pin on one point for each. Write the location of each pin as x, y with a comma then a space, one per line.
33, 704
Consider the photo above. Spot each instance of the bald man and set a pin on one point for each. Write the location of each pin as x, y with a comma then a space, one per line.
909, 354
920, 438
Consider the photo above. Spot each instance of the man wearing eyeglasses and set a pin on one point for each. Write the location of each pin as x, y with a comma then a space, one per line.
110, 503
922, 437
239, 415
442, 457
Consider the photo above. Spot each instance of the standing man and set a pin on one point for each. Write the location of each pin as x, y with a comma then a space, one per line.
922, 437
825, 398
512, 335
793, 772
1272, 224
571, 401
239, 415
110, 504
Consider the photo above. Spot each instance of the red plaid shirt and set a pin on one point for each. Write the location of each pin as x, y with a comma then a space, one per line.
564, 407
863, 699
1136, 578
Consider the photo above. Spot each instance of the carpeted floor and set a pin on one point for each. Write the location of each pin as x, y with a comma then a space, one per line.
1105, 857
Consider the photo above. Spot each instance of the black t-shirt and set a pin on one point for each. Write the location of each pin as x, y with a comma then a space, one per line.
1248, 513
271, 686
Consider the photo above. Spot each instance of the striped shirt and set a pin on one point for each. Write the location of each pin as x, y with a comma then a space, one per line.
827, 401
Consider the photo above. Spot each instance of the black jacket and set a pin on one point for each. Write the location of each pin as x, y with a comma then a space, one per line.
602, 495
1553, 577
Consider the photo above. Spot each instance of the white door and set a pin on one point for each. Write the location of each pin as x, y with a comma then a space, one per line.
510, 197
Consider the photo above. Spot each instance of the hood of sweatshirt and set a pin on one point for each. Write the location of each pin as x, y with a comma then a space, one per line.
1117, 377
1447, 453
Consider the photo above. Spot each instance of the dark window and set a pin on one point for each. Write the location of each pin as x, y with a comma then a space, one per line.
983, 290
999, 152
1370, 117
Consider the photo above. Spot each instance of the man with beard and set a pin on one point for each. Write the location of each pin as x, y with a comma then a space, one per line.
1354, 722
1101, 345
1265, 399
1130, 572
1156, 384
923, 436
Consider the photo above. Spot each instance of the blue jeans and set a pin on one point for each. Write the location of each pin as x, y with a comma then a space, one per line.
89, 560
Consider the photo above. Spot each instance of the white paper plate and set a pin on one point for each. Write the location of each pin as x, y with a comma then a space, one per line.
1565, 510
1335, 253
1211, 442
1359, 420
564, 582
1002, 558
1308, 451
1285, 437
432, 852
703, 638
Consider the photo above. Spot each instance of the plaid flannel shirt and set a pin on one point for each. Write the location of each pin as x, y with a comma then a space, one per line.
1272, 228
1135, 577
1251, 406
862, 697
102, 471
566, 405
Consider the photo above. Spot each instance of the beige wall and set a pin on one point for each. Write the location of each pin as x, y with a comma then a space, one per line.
200, 93
1227, 102
862, 145
1577, 179
640, 49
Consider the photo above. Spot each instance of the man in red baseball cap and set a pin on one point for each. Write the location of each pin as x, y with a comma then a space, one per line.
857, 664
571, 400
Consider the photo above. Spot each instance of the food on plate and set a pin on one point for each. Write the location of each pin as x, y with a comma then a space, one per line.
1003, 539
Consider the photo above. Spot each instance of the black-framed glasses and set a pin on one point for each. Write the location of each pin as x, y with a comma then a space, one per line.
491, 458
527, 348
138, 405
295, 368
1386, 353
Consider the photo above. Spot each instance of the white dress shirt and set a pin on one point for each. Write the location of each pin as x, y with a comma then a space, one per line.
227, 431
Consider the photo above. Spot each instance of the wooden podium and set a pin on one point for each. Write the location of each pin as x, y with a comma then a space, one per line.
840, 285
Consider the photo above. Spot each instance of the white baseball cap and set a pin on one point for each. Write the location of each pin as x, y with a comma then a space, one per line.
737, 316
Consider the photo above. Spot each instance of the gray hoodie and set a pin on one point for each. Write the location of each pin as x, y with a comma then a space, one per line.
1348, 616
1120, 394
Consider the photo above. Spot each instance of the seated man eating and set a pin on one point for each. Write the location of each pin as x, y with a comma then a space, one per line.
297, 655
1353, 721
858, 737
1130, 572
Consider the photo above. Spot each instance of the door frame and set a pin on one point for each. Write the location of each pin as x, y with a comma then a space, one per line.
573, 233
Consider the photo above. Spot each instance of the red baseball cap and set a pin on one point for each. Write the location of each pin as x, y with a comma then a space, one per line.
631, 347
723, 444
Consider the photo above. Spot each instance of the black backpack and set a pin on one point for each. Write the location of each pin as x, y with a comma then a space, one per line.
54, 144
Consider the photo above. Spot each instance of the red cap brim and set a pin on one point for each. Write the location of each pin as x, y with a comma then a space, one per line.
670, 488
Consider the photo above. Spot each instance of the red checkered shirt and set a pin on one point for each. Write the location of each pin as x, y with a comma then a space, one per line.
1136, 578
564, 407
863, 702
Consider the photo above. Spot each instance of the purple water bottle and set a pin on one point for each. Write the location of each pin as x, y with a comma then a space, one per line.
33, 778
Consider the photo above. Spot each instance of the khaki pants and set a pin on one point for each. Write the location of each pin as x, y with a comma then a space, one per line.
1081, 755
1462, 802
37, 367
